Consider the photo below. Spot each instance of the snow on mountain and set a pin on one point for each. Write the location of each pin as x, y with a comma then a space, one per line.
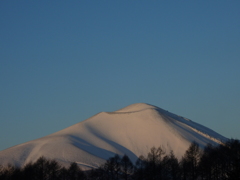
132, 130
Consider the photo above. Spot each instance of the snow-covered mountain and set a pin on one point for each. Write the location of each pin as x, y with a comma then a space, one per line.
133, 130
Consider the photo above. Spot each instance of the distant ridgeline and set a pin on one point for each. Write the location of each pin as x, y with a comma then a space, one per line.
214, 162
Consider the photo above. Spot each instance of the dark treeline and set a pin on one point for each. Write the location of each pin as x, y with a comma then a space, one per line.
213, 163
42, 169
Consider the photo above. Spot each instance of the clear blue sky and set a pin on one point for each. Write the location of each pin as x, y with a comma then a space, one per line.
62, 62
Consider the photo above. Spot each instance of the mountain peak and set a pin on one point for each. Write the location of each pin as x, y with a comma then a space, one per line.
137, 107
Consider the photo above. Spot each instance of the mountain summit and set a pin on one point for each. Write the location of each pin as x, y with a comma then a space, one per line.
133, 131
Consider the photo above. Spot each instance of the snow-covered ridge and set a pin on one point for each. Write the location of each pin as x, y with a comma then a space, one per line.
195, 127
132, 130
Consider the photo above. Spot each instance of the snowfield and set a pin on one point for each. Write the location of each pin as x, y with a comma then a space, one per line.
133, 130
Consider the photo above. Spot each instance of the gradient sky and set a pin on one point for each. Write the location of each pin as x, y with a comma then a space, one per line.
62, 62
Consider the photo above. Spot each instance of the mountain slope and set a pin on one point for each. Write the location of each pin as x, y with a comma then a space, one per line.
132, 130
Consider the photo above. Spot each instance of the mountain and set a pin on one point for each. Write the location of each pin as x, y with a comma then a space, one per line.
133, 130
